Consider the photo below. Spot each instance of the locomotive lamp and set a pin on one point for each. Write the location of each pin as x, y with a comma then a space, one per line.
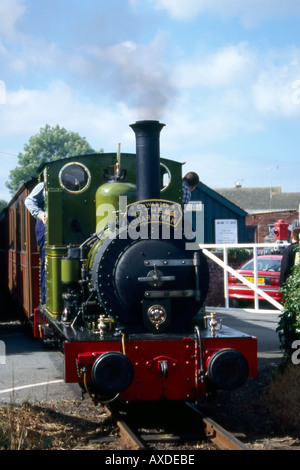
157, 315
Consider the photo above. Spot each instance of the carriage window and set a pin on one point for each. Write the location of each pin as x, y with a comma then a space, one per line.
74, 177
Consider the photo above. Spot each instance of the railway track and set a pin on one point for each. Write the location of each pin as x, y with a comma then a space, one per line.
136, 432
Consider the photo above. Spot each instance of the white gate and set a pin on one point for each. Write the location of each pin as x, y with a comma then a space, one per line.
252, 285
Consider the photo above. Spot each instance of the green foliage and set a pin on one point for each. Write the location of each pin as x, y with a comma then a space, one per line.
238, 255
51, 143
3, 204
289, 320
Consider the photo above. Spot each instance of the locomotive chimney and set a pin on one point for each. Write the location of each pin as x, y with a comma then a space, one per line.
147, 159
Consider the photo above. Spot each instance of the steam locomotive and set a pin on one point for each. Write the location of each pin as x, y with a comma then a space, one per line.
126, 288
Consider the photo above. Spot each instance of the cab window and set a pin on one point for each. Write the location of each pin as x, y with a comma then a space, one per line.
74, 177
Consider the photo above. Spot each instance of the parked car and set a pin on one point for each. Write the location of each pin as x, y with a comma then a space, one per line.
268, 273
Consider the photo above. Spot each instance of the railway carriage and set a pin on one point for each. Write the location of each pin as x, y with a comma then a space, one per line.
125, 293
19, 252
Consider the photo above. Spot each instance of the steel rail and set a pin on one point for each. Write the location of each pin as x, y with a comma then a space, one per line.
126, 433
220, 437
223, 439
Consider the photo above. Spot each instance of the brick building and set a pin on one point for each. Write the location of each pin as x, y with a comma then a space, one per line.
264, 207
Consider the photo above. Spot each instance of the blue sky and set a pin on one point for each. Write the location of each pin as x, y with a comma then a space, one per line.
223, 75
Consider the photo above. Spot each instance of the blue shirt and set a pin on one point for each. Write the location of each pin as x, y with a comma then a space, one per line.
35, 201
186, 193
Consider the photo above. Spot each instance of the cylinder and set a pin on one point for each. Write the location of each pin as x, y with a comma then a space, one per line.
147, 159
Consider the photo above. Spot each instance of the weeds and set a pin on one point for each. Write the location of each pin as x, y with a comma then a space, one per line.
13, 429
26, 428
60, 425
283, 398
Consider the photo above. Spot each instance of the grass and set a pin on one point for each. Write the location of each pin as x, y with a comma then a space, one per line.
62, 425
13, 429
283, 398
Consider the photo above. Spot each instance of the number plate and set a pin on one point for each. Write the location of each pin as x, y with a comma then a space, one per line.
260, 280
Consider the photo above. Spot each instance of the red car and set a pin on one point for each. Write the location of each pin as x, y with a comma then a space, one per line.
268, 273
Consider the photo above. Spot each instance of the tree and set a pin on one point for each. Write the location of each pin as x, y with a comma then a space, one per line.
51, 143
3, 204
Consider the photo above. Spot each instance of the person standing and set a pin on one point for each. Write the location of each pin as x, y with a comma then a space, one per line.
289, 256
189, 183
35, 203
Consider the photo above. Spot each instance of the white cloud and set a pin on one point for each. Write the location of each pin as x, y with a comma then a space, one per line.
100, 87
217, 95
273, 96
27, 110
248, 11
35, 55
10, 12
273, 91
182, 10
228, 65
20, 51
238, 88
